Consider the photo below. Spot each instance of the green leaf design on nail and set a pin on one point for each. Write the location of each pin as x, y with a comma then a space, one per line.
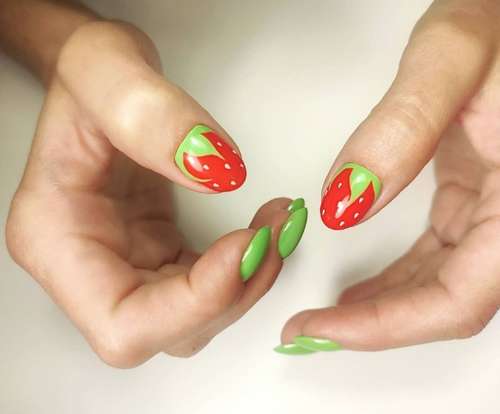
195, 144
360, 179
255, 253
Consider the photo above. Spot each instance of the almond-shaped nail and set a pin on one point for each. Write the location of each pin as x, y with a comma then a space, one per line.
292, 232
206, 158
349, 196
255, 253
292, 349
296, 204
316, 344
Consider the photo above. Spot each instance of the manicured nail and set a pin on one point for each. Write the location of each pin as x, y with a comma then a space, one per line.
255, 253
292, 349
296, 204
349, 196
316, 344
206, 158
292, 232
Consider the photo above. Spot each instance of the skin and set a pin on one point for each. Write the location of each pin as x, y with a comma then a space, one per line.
92, 219
96, 229
444, 103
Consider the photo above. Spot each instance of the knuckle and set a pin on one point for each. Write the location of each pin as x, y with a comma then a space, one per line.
213, 308
191, 349
13, 240
413, 113
117, 348
473, 321
16, 237
466, 28
142, 103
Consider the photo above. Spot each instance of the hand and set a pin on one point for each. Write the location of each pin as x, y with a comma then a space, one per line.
92, 219
444, 102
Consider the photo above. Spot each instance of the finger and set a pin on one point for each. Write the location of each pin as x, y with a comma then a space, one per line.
443, 64
275, 213
130, 314
397, 274
217, 291
149, 119
457, 303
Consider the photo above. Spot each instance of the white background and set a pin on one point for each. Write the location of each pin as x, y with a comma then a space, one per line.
289, 80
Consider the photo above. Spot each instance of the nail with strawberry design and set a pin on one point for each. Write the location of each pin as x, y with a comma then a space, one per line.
206, 158
349, 196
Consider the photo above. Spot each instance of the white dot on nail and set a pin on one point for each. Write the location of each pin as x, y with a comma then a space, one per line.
206, 167
323, 212
361, 199
215, 185
356, 215
234, 152
339, 185
227, 166
242, 166
232, 182
341, 224
219, 144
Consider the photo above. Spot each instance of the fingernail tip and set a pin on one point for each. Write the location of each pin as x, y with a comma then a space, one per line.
292, 349
317, 344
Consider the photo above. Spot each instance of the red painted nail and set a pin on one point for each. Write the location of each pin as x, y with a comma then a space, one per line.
349, 196
204, 157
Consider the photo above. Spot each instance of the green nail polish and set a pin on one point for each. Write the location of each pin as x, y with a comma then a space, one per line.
292, 349
316, 344
292, 232
255, 252
296, 204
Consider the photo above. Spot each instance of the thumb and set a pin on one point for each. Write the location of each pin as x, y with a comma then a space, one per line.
440, 69
152, 121
163, 129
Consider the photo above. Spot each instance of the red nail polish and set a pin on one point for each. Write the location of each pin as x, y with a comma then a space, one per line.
349, 196
204, 157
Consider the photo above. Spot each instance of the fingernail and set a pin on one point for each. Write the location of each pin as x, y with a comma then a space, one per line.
207, 159
349, 196
255, 253
296, 204
292, 232
316, 344
292, 349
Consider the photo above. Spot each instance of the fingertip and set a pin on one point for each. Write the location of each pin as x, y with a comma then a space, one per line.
209, 160
293, 327
349, 196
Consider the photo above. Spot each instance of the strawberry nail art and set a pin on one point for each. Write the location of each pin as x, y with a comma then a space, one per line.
205, 158
349, 196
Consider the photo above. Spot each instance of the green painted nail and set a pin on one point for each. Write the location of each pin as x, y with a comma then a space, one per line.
316, 344
255, 252
296, 204
292, 349
292, 232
